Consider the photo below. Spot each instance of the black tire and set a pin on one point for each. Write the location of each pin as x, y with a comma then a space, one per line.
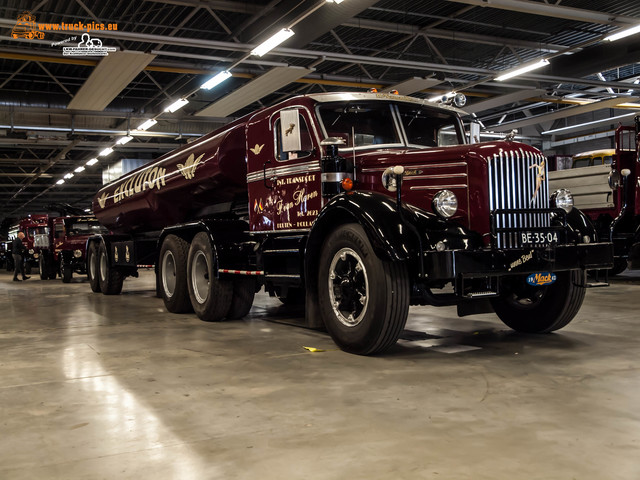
43, 267
93, 267
210, 297
244, 291
173, 274
619, 266
350, 273
529, 309
65, 271
110, 278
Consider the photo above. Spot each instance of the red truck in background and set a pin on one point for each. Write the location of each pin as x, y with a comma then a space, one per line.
62, 248
361, 204
31, 225
608, 192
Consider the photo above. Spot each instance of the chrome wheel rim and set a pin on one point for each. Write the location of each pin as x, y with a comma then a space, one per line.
348, 287
169, 273
92, 266
200, 277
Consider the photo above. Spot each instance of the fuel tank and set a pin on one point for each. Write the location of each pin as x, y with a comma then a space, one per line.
204, 177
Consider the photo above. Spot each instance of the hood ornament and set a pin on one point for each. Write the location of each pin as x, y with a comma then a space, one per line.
540, 176
509, 137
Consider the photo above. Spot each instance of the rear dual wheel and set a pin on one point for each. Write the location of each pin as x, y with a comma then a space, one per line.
110, 278
93, 267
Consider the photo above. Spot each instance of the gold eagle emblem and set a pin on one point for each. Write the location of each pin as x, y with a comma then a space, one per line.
290, 129
188, 170
102, 200
257, 149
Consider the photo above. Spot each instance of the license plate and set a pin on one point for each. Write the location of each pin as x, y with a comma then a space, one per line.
538, 238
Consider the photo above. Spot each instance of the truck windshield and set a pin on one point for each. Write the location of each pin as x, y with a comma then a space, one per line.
84, 227
360, 123
429, 127
367, 123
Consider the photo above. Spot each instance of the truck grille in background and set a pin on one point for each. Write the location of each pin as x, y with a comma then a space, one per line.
512, 184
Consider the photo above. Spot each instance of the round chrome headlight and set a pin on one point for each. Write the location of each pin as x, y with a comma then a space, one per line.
77, 253
563, 199
31, 251
36, 256
445, 203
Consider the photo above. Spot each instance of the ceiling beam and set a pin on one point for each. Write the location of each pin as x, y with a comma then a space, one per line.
562, 113
453, 35
502, 100
555, 11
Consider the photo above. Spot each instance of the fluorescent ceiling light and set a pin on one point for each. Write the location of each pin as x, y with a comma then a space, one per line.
521, 70
335, 1
272, 43
91, 161
68, 176
60, 182
623, 33
123, 140
254, 90
177, 105
216, 80
79, 169
148, 124
105, 152
580, 126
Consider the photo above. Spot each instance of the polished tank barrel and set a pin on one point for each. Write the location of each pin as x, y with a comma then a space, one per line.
202, 178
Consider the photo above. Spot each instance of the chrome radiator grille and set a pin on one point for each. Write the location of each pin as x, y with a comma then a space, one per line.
513, 177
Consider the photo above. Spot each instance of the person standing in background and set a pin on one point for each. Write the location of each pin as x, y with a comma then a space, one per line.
18, 250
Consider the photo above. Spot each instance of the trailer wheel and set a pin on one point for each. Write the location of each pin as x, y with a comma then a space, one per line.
93, 267
211, 297
540, 309
65, 271
244, 291
173, 274
110, 278
364, 301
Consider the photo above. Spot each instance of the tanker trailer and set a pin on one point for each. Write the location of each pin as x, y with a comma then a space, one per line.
358, 205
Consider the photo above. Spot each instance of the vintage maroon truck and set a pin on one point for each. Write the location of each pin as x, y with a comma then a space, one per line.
360, 204
62, 248
31, 225
608, 192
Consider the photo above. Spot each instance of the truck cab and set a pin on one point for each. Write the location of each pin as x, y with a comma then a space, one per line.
63, 248
32, 226
604, 184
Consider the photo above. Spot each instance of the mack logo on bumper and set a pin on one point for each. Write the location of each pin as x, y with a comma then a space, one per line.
540, 279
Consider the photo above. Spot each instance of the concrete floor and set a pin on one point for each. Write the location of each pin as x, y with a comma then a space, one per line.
97, 387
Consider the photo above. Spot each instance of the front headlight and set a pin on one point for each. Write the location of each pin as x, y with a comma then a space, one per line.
562, 199
445, 203
77, 253
31, 251
36, 256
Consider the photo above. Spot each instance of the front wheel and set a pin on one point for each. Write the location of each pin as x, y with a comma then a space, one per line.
65, 271
364, 301
529, 309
